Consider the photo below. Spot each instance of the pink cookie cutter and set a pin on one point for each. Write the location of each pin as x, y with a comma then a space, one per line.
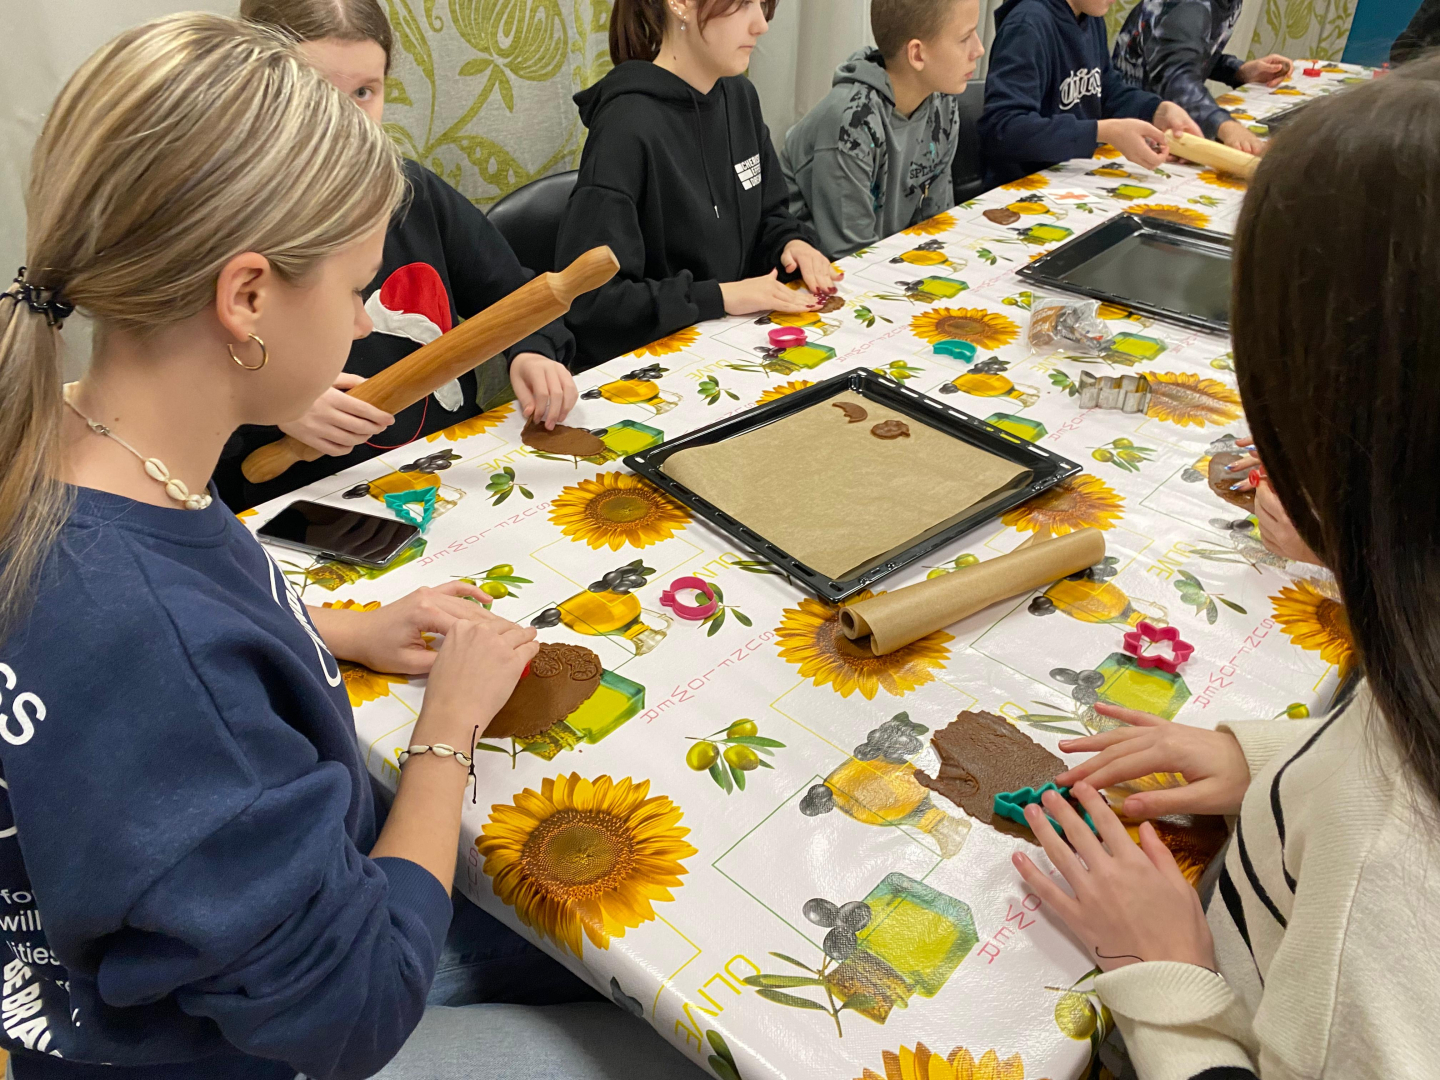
1147, 633
787, 337
688, 611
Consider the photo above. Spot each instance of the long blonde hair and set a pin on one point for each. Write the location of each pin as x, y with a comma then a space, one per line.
182, 143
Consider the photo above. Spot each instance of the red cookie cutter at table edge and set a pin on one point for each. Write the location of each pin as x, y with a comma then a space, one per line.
1180, 651
687, 611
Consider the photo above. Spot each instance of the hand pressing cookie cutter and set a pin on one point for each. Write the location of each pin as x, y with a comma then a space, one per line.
787, 337
687, 611
1011, 804
1146, 632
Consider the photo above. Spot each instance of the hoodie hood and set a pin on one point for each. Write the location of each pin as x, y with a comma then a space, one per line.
649, 80
866, 68
1059, 8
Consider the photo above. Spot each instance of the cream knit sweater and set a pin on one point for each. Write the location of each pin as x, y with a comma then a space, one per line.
1326, 922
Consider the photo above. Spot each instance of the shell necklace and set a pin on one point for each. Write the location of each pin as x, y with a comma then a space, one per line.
154, 467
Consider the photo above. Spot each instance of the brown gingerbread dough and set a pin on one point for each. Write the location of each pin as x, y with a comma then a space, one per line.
1002, 215
981, 754
562, 440
891, 429
1220, 482
853, 413
561, 679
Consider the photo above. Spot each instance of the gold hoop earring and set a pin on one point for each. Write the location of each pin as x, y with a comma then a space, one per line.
264, 355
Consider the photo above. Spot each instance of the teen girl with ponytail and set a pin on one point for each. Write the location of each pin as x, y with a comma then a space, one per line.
1318, 959
195, 879
680, 178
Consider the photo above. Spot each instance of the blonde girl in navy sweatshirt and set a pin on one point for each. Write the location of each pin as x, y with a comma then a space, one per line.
197, 881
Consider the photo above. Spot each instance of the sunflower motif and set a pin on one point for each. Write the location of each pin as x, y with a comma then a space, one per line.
1106, 151
582, 855
1181, 215
1315, 622
1216, 178
679, 341
1229, 101
1194, 845
243, 514
617, 508
475, 425
1074, 503
1185, 399
364, 685
810, 636
983, 329
780, 391
1033, 182
923, 1064
940, 223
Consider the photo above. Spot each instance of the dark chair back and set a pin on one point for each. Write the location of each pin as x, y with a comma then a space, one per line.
529, 219
968, 171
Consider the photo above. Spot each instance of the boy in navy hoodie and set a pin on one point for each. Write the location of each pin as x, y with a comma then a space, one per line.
1051, 94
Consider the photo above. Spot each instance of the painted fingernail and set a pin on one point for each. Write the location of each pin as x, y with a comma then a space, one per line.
1232, 467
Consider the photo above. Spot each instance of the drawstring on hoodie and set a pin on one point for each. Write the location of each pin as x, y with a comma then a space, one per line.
704, 164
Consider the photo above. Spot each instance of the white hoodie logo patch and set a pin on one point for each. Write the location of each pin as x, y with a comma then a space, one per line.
749, 172
1081, 83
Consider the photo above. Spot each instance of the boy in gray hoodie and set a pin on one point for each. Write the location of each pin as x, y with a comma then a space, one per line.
874, 156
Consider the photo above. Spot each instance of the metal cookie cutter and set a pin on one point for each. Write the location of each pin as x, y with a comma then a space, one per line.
1128, 393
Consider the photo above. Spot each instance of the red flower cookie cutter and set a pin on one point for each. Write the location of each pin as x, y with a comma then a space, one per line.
688, 611
1146, 632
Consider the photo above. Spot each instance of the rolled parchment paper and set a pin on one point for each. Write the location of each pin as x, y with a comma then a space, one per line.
893, 620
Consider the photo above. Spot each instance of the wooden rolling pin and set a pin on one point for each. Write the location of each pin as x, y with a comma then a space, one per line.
539, 301
1216, 155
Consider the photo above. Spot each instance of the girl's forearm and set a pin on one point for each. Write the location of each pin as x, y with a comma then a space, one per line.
424, 823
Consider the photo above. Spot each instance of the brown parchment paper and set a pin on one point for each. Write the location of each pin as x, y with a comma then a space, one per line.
833, 495
893, 620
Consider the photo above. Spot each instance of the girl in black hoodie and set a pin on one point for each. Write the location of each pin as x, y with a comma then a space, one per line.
680, 178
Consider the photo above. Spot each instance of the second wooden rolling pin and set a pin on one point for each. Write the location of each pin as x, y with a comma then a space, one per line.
895, 619
1217, 155
539, 301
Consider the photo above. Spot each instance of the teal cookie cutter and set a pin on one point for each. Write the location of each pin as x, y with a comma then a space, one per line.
1011, 804
404, 505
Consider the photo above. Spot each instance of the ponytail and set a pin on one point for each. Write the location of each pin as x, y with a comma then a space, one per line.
637, 27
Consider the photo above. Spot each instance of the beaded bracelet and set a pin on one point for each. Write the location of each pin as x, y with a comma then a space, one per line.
440, 749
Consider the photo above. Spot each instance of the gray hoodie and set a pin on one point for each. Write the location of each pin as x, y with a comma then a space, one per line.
858, 169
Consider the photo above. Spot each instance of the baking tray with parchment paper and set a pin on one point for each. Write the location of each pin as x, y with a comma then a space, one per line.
813, 491
1172, 272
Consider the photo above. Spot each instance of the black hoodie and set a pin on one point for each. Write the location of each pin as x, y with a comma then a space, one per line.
686, 189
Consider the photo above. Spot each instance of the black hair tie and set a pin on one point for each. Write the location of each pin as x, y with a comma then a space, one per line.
44, 300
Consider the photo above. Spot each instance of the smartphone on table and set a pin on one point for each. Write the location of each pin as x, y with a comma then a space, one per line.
333, 532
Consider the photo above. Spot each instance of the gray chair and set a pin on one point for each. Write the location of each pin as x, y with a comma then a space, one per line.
529, 219
968, 171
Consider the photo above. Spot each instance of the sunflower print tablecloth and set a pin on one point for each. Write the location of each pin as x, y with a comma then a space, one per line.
727, 838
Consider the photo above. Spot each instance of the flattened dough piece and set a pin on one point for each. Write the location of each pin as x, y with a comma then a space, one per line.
981, 754
560, 680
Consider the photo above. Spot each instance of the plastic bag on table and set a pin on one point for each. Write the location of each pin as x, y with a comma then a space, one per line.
1072, 326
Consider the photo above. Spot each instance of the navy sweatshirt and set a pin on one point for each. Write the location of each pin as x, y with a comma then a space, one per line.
443, 262
1173, 46
686, 189
1050, 82
184, 818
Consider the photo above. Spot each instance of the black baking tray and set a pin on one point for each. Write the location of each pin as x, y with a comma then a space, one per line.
1170, 272
1046, 470
1277, 120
